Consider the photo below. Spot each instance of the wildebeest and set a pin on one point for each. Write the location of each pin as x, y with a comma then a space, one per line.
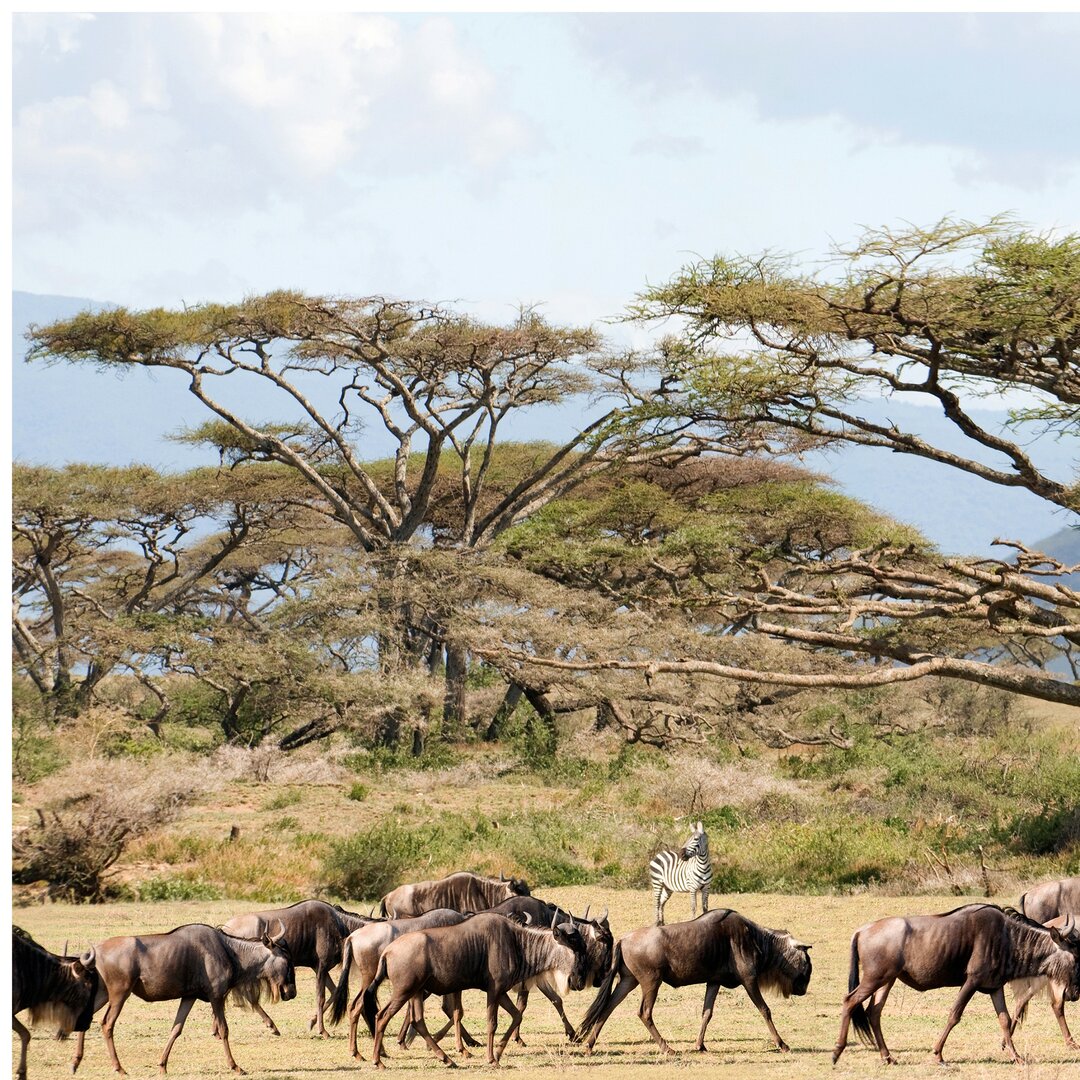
1051, 899
1026, 989
487, 952
461, 892
599, 943
315, 932
719, 948
689, 870
361, 951
58, 990
192, 963
977, 947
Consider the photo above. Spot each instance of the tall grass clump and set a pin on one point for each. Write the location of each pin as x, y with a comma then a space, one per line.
368, 864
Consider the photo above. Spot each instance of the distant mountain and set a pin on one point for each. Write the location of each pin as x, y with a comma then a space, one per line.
63, 413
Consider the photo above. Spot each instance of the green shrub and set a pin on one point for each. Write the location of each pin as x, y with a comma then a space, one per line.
288, 797
358, 792
368, 864
175, 888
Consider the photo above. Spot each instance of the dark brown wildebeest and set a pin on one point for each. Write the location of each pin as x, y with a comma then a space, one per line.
599, 943
977, 947
719, 948
1051, 899
461, 892
361, 952
315, 932
58, 990
192, 963
487, 952
1026, 989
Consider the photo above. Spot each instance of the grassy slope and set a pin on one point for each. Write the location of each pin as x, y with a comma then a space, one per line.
737, 1038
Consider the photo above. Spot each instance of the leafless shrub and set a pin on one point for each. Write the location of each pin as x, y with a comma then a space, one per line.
84, 826
268, 764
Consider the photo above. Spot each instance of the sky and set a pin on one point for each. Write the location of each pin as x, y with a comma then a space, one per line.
489, 161
565, 160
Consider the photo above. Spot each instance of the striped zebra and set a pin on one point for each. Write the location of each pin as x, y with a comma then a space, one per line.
689, 870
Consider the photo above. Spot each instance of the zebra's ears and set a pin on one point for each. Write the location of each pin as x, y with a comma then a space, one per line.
700, 827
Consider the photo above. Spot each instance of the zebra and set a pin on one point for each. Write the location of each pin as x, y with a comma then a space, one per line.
689, 870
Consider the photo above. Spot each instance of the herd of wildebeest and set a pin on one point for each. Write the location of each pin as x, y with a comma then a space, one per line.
467, 932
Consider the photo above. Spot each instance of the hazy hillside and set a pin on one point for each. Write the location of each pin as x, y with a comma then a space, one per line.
71, 414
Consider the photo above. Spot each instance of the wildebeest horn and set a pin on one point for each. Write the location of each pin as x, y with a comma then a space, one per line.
279, 936
88, 958
585, 917
64, 953
527, 918
502, 877
554, 918
603, 918
1068, 926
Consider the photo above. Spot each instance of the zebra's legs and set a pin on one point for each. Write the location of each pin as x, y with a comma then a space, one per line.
663, 895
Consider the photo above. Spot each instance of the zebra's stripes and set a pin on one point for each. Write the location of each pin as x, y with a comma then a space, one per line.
689, 870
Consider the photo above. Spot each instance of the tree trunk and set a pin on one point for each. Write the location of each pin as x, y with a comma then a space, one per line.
503, 713
454, 700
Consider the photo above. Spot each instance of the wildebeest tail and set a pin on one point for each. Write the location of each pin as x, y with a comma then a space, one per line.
371, 999
603, 996
382, 908
339, 1002
858, 1013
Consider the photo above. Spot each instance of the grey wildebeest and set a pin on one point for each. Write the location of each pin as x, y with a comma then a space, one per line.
1051, 899
487, 952
461, 892
58, 990
1050, 904
599, 943
315, 932
977, 947
192, 963
719, 948
361, 952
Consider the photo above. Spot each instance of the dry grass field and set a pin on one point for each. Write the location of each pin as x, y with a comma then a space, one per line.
737, 1039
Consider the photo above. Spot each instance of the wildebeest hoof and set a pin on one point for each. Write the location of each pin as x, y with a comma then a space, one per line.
837, 1051
239, 1072
783, 1048
701, 1048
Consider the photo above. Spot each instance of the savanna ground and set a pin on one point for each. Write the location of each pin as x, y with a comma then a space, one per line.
737, 1039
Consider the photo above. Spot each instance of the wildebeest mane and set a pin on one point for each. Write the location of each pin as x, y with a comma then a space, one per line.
776, 958
247, 993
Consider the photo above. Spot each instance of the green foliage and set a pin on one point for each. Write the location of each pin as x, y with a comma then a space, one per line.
358, 792
175, 888
370, 863
282, 799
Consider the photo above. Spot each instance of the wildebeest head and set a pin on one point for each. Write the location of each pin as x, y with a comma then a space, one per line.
698, 844
599, 945
1067, 938
514, 887
791, 971
277, 970
567, 934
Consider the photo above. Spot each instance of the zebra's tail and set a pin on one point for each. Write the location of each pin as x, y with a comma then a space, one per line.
603, 996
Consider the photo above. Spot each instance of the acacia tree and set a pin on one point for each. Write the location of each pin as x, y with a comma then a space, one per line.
440, 385
952, 313
99, 552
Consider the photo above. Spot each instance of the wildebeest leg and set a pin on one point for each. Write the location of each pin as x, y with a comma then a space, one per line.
711, 991
24, 1038
322, 981
178, 1026
265, 1019
967, 991
80, 1044
385, 1015
456, 1014
852, 1000
627, 982
218, 1006
522, 1002
754, 993
873, 1017
1057, 1003
421, 1027
997, 998
515, 1022
648, 999
448, 1010
557, 1002
108, 1022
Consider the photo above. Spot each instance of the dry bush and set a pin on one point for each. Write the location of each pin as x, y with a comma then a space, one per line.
267, 764
692, 786
88, 816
